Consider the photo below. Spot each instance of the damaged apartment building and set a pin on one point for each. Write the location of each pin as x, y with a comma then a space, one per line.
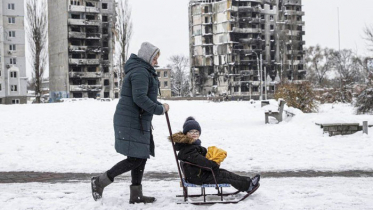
81, 49
244, 47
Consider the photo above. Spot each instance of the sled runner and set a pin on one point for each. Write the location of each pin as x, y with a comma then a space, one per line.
219, 187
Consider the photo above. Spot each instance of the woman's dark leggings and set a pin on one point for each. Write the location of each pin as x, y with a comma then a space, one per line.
135, 165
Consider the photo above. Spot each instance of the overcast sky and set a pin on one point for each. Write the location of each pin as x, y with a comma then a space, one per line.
165, 24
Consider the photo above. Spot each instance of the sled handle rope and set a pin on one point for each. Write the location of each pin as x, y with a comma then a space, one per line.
173, 146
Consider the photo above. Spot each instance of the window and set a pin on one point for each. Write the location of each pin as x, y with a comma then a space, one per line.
13, 74
106, 94
12, 47
11, 20
104, 18
271, 17
106, 82
158, 73
15, 101
165, 74
13, 61
12, 34
11, 6
106, 69
165, 84
271, 7
74, 2
104, 5
0, 86
13, 88
272, 27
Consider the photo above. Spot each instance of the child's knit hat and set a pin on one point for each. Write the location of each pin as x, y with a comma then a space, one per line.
190, 124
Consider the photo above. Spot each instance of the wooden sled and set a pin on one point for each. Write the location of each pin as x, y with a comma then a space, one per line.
219, 187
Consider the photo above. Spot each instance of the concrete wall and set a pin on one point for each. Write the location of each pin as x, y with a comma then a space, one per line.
58, 49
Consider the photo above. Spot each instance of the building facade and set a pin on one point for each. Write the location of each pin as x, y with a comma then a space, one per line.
243, 48
13, 80
164, 76
81, 49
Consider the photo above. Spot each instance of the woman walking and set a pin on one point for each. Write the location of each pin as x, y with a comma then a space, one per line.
132, 122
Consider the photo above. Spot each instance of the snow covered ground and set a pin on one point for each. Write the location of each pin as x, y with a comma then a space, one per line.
286, 193
78, 137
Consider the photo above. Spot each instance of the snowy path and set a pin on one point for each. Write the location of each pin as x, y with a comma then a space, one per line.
284, 193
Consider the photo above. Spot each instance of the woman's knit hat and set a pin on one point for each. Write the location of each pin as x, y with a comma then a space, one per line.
190, 124
147, 52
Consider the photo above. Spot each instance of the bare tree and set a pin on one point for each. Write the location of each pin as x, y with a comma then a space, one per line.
123, 34
318, 62
368, 31
179, 78
36, 28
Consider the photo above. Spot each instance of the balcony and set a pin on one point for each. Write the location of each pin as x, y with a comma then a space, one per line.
75, 48
85, 87
85, 74
249, 9
251, 40
75, 8
77, 35
246, 30
247, 72
292, 2
83, 22
83, 61
93, 36
294, 12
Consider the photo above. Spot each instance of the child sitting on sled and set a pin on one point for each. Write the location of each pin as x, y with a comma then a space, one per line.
188, 144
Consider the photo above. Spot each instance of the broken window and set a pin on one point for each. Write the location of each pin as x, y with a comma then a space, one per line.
104, 18
105, 56
105, 44
90, 17
91, 56
75, 42
77, 81
158, 73
76, 55
91, 69
272, 27
115, 75
165, 84
92, 82
106, 94
116, 95
106, 82
165, 74
91, 94
77, 95
116, 84
89, 4
76, 69
75, 29
104, 6
106, 70
75, 16
105, 30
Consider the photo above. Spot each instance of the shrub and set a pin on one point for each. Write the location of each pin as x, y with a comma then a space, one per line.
300, 96
364, 102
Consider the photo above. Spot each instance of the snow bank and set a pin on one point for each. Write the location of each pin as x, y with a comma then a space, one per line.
79, 137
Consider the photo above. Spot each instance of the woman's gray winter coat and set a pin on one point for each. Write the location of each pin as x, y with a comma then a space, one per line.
135, 109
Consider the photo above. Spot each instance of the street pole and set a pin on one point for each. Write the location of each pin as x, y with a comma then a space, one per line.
265, 83
261, 76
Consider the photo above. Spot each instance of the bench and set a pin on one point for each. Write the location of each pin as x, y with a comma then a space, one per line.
276, 114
